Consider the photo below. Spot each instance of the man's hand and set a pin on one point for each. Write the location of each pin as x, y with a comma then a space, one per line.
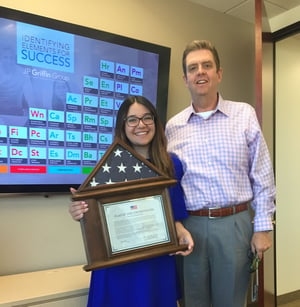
261, 241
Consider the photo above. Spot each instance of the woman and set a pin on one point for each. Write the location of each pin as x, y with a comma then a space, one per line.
152, 282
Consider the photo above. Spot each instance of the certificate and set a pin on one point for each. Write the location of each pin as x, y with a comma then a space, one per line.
136, 223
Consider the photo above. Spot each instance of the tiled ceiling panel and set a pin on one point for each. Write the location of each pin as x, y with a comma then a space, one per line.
244, 9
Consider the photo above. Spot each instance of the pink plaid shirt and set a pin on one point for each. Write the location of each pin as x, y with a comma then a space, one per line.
225, 160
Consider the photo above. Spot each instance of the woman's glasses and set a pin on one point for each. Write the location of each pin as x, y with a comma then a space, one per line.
133, 121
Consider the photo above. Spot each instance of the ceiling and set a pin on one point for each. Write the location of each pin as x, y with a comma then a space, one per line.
277, 14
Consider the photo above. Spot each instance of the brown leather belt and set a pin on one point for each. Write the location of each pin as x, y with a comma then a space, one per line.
220, 211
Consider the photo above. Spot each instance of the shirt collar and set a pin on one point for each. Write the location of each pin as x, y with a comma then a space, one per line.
221, 107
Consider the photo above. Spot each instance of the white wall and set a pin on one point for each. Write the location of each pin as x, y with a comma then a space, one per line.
287, 164
268, 129
37, 232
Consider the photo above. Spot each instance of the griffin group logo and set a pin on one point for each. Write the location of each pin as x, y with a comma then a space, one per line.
46, 48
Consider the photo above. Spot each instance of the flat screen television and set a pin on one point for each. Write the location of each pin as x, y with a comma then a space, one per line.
61, 86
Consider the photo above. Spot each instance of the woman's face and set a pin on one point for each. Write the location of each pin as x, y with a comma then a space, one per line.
141, 135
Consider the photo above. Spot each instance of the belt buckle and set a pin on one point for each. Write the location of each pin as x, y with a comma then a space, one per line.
212, 209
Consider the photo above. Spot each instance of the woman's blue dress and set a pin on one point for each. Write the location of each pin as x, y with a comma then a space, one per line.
146, 283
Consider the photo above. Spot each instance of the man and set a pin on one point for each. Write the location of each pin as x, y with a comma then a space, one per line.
226, 168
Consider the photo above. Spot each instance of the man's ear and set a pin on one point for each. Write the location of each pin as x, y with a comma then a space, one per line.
184, 79
220, 74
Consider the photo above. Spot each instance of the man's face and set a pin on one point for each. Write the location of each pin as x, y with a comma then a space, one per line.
202, 77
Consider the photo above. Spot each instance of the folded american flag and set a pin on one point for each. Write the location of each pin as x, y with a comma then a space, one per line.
120, 165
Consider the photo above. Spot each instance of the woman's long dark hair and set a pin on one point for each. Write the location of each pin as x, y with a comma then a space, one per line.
158, 147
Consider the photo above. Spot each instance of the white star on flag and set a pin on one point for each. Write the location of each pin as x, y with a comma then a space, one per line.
122, 168
94, 183
137, 168
106, 168
118, 152
109, 182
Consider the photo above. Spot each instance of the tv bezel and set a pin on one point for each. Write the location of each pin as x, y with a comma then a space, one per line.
162, 84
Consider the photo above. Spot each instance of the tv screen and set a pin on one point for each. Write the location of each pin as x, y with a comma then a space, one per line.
61, 86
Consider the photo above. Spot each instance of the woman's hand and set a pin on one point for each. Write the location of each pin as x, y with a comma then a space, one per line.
77, 208
184, 237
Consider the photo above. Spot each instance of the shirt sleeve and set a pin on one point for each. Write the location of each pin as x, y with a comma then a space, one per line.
176, 192
262, 178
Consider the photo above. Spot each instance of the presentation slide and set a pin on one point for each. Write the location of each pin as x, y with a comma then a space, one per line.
59, 95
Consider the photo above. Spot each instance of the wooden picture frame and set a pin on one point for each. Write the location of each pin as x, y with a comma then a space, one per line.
128, 219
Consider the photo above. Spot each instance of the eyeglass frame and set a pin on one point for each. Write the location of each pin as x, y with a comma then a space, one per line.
140, 119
